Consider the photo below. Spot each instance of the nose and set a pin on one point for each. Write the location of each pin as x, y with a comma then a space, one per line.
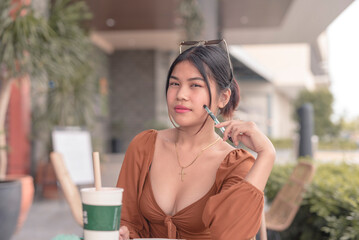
182, 93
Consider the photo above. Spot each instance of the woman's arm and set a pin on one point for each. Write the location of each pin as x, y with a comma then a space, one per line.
249, 134
130, 180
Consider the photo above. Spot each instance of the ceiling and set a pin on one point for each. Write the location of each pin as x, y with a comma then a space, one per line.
254, 14
303, 21
133, 15
120, 24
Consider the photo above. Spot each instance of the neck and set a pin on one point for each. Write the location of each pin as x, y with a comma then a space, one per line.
191, 138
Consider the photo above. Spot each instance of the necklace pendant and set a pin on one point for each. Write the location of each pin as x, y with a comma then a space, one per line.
194, 160
182, 174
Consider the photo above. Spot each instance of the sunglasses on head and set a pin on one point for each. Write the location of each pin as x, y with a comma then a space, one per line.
207, 43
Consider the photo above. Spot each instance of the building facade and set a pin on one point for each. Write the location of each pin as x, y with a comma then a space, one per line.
277, 49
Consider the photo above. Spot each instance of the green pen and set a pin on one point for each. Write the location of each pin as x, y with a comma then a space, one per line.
216, 121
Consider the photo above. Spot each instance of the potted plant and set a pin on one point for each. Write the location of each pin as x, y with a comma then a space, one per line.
19, 29
33, 46
71, 93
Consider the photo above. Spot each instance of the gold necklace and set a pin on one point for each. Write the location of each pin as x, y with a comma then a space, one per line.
182, 168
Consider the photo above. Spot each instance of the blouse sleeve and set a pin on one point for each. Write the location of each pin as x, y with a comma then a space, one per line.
129, 180
235, 211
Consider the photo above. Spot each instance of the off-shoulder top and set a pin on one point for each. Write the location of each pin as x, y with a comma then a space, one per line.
231, 209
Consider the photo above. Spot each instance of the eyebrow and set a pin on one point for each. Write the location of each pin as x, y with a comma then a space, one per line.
190, 79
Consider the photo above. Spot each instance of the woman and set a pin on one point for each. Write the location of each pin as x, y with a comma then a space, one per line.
187, 182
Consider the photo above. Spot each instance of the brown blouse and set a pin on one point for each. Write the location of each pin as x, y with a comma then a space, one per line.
231, 209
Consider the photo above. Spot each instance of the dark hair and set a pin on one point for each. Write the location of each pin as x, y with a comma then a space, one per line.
211, 61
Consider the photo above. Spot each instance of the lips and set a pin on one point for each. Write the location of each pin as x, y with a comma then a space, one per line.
181, 109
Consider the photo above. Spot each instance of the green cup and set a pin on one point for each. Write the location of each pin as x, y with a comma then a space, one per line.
101, 213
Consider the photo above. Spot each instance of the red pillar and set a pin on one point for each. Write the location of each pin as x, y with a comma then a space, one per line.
19, 117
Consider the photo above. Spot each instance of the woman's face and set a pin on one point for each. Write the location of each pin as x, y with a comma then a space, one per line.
187, 93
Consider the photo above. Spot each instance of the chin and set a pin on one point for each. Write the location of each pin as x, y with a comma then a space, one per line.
186, 121
188, 124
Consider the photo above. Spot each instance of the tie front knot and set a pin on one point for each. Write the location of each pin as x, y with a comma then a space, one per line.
171, 228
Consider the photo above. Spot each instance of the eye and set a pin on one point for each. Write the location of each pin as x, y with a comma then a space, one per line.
196, 85
174, 84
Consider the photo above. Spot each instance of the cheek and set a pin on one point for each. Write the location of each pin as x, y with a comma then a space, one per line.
170, 95
200, 98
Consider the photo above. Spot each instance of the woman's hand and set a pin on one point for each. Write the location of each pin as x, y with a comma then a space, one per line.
249, 134
124, 233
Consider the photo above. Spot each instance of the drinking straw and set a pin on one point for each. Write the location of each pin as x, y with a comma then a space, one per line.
96, 169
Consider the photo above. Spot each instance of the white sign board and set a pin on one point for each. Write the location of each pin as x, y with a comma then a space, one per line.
74, 144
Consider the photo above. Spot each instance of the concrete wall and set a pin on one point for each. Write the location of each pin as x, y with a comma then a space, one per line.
99, 130
256, 103
291, 69
282, 121
132, 88
289, 64
137, 97
266, 105
163, 60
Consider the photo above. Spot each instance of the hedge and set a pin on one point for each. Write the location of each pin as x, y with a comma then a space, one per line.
330, 208
332, 144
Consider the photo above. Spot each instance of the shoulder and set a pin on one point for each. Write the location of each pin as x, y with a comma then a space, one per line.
143, 138
235, 166
237, 157
139, 149
142, 142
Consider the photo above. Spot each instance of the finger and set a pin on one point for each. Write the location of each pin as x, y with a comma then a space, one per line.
237, 134
124, 237
123, 229
222, 124
124, 233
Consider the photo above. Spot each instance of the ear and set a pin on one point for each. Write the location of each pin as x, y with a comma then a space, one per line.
224, 98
